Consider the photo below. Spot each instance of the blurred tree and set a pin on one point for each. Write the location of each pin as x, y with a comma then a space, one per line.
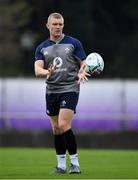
107, 27
126, 56
14, 16
115, 36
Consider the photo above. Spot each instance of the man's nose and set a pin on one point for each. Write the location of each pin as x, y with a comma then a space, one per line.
58, 26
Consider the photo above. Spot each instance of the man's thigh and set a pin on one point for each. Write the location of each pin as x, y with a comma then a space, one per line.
69, 100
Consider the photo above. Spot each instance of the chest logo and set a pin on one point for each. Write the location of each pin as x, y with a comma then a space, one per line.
67, 50
57, 61
45, 53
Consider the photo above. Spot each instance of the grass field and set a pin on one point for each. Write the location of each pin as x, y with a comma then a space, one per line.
35, 163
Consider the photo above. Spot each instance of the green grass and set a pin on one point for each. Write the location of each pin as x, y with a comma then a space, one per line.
35, 163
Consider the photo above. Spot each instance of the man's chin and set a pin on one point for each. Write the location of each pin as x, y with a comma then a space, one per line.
58, 36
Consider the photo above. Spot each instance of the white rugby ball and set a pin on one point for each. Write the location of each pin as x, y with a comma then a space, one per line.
94, 63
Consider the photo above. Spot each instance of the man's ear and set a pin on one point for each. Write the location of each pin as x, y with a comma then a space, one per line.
47, 25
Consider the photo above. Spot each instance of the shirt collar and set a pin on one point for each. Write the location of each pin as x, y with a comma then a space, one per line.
57, 42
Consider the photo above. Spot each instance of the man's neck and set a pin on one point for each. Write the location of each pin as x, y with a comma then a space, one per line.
57, 38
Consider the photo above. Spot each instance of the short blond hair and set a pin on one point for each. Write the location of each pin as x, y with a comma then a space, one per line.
55, 15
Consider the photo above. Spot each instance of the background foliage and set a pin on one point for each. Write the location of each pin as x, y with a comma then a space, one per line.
107, 27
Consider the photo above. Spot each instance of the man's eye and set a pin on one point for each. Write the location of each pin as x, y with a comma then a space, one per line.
55, 24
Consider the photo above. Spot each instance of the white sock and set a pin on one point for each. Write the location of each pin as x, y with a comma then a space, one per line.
74, 159
61, 159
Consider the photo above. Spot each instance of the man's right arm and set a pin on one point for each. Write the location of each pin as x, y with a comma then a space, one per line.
39, 69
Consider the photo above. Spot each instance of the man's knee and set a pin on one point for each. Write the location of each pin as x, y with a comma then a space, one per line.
64, 126
57, 130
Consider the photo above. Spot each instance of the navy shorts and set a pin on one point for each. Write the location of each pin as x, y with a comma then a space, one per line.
55, 102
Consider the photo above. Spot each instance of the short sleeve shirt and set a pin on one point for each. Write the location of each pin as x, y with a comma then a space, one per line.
66, 54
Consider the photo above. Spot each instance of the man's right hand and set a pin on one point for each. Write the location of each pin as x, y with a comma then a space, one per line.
50, 70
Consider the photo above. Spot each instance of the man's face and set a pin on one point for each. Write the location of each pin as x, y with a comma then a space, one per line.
55, 26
